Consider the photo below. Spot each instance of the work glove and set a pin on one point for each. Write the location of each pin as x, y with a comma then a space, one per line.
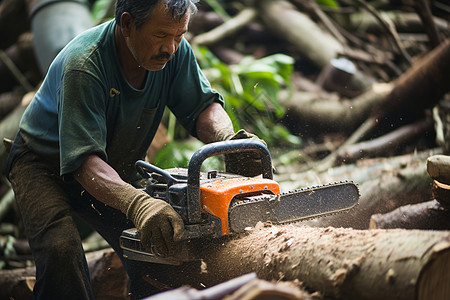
246, 163
159, 225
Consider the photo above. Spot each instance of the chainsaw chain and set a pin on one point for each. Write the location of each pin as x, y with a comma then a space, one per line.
270, 197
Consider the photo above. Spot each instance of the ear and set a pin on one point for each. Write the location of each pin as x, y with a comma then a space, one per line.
126, 24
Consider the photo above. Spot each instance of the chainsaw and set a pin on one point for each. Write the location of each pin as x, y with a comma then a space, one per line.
214, 204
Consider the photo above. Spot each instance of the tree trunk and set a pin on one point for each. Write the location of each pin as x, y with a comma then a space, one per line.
426, 215
284, 20
342, 263
422, 86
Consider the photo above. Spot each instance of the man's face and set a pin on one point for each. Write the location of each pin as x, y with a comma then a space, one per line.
154, 44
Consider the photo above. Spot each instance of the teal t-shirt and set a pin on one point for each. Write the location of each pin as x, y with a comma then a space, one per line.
85, 106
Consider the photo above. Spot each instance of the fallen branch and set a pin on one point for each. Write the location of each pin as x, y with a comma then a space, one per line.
226, 29
426, 215
383, 145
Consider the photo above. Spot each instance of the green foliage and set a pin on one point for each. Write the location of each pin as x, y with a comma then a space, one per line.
179, 153
250, 89
100, 9
328, 3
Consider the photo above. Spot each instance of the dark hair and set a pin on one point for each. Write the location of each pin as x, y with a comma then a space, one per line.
141, 10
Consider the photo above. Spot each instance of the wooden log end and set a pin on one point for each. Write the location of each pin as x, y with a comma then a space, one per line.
438, 167
434, 280
441, 192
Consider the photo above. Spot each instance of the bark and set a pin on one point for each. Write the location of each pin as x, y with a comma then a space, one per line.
342, 263
421, 87
426, 215
308, 113
284, 20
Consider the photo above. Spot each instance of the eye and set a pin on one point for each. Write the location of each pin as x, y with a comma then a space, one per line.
179, 37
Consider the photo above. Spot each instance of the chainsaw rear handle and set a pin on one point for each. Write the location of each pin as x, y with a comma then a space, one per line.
144, 169
218, 148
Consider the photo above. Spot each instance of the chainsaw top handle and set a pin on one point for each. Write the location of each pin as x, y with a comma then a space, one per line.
218, 148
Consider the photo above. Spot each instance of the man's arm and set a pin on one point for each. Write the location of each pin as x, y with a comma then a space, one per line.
157, 222
214, 124
100, 180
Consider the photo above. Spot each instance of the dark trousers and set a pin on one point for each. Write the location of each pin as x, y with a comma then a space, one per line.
47, 205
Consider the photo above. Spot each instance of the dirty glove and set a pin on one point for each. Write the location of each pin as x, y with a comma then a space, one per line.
247, 163
156, 221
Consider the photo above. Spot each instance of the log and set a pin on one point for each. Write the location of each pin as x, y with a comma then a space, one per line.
309, 113
420, 87
438, 167
426, 215
245, 287
337, 262
441, 192
284, 20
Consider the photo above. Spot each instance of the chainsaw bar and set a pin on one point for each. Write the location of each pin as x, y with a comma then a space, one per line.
293, 206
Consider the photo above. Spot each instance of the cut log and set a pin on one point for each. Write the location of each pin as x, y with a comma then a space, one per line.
341, 263
438, 167
441, 192
426, 215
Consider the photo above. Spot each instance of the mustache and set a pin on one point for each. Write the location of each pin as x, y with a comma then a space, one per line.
163, 56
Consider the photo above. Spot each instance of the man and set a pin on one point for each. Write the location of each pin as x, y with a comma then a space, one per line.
95, 114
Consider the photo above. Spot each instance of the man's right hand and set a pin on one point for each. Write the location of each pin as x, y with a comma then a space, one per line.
157, 222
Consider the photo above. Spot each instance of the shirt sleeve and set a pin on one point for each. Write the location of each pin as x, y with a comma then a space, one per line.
190, 92
82, 126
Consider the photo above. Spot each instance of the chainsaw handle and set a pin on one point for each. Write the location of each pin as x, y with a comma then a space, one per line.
144, 168
218, 148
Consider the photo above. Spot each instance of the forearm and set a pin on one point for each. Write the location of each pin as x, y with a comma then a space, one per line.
100, 180
213, 121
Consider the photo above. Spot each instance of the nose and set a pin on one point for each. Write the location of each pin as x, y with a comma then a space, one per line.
169, 46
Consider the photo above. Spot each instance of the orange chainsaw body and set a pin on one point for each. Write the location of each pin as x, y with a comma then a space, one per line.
216, 196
